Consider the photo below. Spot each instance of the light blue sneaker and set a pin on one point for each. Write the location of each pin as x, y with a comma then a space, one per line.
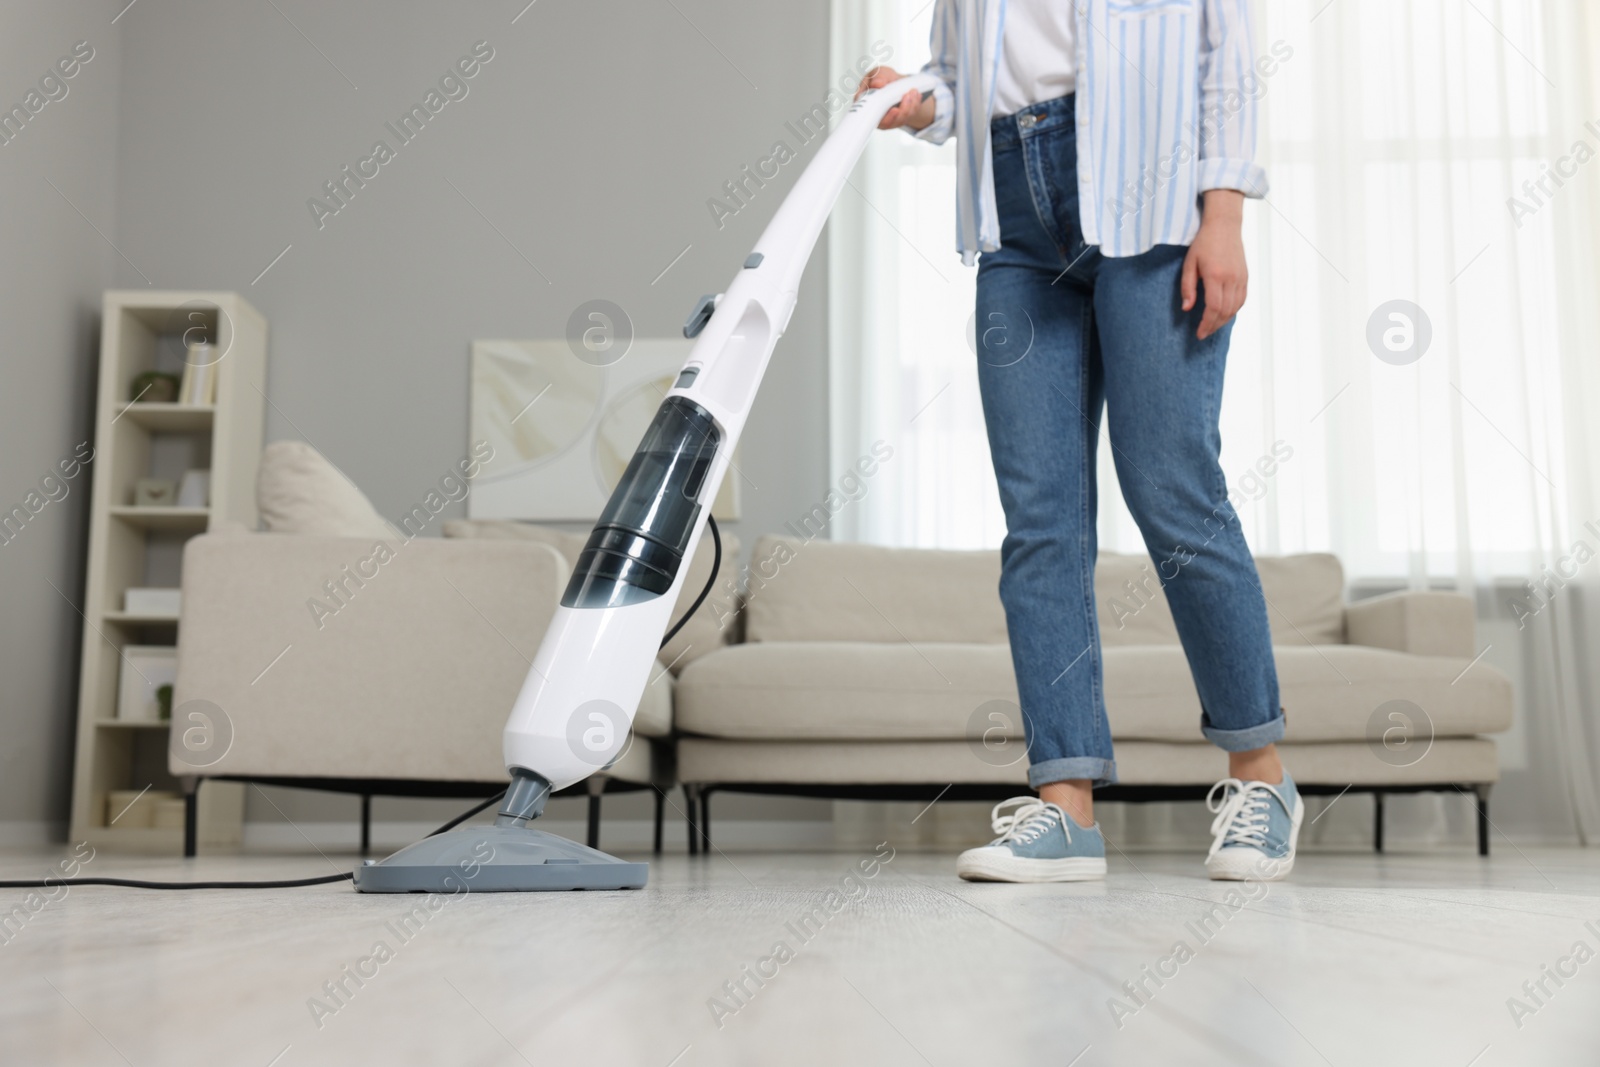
1255, 830
1038, 842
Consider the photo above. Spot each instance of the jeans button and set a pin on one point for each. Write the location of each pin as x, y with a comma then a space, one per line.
1027, 121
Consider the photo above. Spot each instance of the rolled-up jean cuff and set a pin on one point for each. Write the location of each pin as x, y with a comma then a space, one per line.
1246, 739
1101, 771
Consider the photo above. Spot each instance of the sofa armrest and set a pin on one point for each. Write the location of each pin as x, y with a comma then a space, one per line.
1422, 623
354, 658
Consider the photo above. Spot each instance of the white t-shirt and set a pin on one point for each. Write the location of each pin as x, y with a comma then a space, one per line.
1037, 56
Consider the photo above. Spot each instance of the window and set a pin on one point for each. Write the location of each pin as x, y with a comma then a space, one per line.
1393, 135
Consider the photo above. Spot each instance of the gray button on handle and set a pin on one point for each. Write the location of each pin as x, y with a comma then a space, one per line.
701, 314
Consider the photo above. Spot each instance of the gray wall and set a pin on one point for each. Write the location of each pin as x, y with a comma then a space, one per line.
53, 270
591, 141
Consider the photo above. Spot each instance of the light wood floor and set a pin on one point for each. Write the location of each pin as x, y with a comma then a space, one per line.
1359, 960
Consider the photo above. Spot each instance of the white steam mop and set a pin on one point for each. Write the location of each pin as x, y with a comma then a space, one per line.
573, 714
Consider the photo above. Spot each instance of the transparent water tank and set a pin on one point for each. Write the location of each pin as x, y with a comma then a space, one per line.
636, 547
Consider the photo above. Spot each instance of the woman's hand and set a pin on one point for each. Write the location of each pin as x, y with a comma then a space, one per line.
1216, 260
912, 110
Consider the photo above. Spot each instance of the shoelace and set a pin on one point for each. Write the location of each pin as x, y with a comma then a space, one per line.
1244, 812
1031, 818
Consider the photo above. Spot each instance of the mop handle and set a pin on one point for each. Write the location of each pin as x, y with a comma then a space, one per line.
790, 236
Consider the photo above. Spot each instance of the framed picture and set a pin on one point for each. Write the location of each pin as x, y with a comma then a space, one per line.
563, 429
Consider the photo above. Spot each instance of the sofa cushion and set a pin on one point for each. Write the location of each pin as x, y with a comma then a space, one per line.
1131, 606
1304, 595
842, 690
1305, 598
1329, 693
299, 492
410, 678
708, 630
568, 544
839, 591
822, 690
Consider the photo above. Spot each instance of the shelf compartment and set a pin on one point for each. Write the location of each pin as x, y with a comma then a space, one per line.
162, 518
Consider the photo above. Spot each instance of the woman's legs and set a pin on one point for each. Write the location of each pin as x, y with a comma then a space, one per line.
1061, 331
1043, 448
1163, 397
1163, 394
1040, 376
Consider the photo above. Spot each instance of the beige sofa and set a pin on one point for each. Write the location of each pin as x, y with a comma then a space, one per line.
862, 672
868, 671
401, 681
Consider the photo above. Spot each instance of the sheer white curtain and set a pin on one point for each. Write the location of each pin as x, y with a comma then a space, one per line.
1437, 152
900, 310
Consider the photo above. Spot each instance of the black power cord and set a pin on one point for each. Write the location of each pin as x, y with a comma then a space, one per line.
133, 883
290, 883
716, 565
327, 879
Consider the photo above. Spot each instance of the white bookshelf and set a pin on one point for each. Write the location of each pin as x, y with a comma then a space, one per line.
131, 546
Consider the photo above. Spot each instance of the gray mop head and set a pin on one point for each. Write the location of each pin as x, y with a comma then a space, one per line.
497, 859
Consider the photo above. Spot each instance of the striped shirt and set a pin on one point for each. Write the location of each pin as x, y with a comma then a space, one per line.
1165, 109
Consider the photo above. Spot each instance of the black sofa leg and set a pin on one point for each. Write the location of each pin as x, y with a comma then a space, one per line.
366, 823
705, 819
661, 814
597, 788
1377, 820
691, 801
191, 820
1481, 796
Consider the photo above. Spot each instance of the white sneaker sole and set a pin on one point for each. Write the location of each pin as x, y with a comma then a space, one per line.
999, 865
1253, 865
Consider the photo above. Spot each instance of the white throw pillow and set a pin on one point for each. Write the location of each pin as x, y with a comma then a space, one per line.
300, 492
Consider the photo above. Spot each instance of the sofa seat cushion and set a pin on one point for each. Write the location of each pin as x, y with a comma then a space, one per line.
843, 690
1328, 692
824, 690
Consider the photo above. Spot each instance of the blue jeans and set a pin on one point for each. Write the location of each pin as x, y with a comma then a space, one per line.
1062, 331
